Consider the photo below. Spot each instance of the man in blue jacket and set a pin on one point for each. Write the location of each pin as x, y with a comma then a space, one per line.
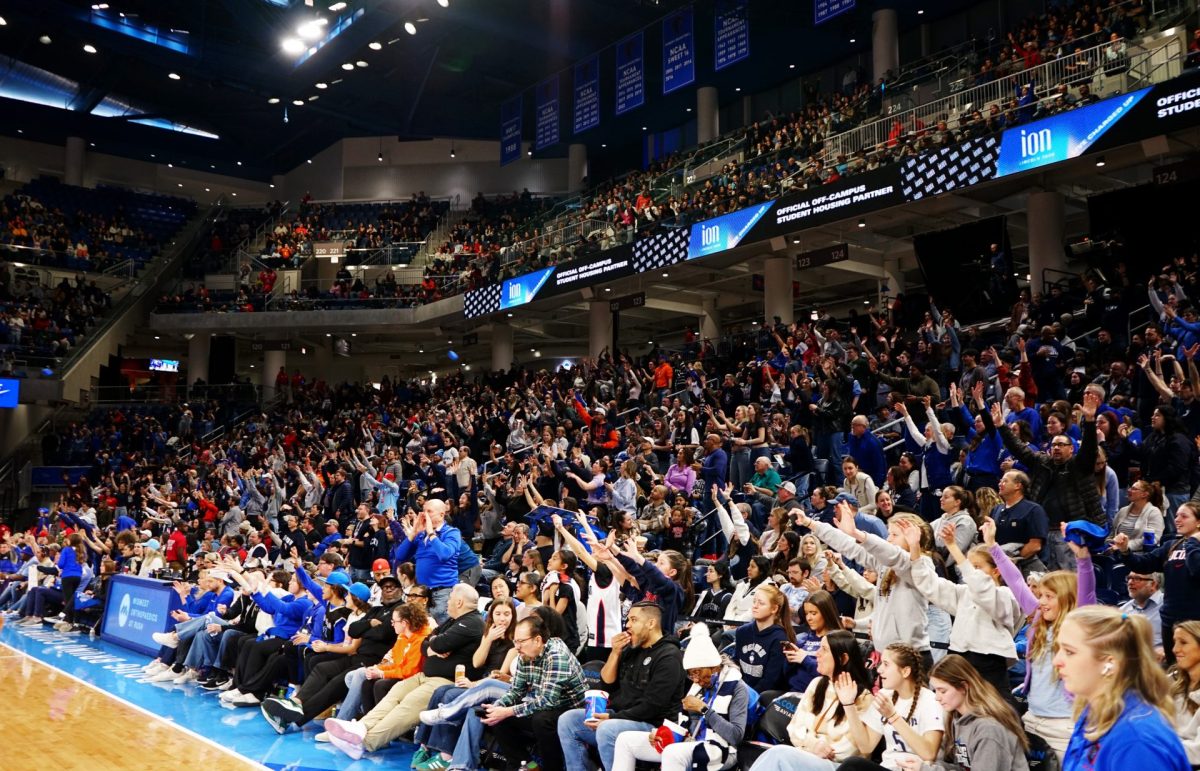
432, 545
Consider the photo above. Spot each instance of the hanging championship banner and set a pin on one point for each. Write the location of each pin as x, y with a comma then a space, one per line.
510, 130
731, 33
679, 51
631, 77
587, 95
547, 113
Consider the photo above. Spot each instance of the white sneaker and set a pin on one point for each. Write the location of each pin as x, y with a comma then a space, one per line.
230, 694
154, 666
166, 639
245, 700
350, 731
226, 686
430, 716
322, 737
354, 751
188, 676
164, 675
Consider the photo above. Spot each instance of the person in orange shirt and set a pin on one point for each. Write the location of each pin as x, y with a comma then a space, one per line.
664, 375
406, 659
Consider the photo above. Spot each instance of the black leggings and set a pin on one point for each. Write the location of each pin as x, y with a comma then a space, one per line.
994, 669
69, 586
861, 764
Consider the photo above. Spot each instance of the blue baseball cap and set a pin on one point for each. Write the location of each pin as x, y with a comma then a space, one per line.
1083, 533
361, 591
336, 578
848, 498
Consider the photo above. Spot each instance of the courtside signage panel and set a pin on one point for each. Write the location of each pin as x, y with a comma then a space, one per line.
136, 609
1062, 137
724, 232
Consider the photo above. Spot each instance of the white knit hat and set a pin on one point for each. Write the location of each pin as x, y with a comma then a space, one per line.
700, 652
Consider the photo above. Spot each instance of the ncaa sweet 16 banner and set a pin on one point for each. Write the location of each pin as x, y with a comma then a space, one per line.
679, 51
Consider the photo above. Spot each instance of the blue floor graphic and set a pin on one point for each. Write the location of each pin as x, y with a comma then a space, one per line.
116, 670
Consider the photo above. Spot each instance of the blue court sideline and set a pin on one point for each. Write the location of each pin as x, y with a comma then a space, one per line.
242, 729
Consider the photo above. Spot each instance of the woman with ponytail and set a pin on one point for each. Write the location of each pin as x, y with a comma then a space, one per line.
958, 509
905, 714
758, 645
982, 730
1123, 707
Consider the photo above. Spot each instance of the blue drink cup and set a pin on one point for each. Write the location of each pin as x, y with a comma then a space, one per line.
1148, 539
594, 703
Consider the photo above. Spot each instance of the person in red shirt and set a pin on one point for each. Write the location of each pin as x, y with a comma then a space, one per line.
176, 551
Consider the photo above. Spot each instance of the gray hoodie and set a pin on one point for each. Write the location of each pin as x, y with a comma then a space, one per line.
982, 744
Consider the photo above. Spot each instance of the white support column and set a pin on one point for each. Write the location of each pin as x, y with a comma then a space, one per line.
599, 327
777, 289
707, 114
1046, 222
502, 347
577, 168
272, 361
710, 321
198, 358
74, 160
885, 42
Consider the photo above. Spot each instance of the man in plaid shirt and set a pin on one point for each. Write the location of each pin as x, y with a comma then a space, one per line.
549, 681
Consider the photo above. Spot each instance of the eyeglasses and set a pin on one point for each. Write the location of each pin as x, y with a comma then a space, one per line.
418, 596
1060, 444
521, 640
1131, 579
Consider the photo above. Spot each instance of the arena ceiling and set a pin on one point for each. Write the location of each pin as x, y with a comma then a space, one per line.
213, 65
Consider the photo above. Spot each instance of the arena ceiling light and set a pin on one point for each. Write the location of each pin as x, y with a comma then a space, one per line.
298, 102
311, 30
273, 100
88, 48
45, 40
444, 3
322, 86
294, 46
337, 7
348, 66
375, 45
3, 22
360, 63
410, 28
173, 75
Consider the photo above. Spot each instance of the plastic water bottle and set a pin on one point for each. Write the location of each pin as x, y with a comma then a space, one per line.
92, 632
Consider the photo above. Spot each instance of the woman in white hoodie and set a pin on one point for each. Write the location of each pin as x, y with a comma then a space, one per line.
901, 612
986, 614
1185, 687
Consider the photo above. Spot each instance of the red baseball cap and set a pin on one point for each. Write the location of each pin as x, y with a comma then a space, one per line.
381, 565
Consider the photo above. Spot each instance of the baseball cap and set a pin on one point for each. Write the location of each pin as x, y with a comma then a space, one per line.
380, 564
336, 578
390, 477
388, 579
152, 544
848, 498
333, 522
360, 590
791, 488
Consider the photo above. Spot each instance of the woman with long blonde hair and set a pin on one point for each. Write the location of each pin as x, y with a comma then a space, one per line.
1051, 706
1123, 707
1185, 687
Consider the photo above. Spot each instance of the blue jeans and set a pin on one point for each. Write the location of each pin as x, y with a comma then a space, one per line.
783, 757
352, 701
576, 737
740, 469
470, 739
439, 603
203, 652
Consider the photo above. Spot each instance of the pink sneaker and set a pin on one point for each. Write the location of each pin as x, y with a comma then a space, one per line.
349, 731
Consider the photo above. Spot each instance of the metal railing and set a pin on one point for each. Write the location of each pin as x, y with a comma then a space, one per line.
168, 394
63, 259
1085, 67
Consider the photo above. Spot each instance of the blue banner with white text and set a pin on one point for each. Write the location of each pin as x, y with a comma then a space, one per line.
587, 95
547, 113
824, 10
731, 33
679, 51
631, 74
510, 130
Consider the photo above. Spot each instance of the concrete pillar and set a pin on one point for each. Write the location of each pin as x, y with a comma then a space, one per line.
710, 321
197, 363
747, 110
577, 168
777, 289
707, 114
73, 164
885, 42
599, 327
926, 40
272, 361
502, 347
1046, 221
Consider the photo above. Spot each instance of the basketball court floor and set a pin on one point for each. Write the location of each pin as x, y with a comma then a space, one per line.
77, 703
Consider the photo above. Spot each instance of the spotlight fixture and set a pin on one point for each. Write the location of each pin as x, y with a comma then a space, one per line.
314, 98
920, 11
173, 75
322, 86
529, 153
375, 46
379, 157
410, 28
170, 165
298, 102
444, 3
1100, 162
44, 40
360, 63
337, 7
88, 48
862, 223
179, 184
293, 46
100, 7
207, 190
272, 185
738, 89
347, 66
3, 22
239, 163
853, 40
791, 66
309, 160
311, 30
273, 100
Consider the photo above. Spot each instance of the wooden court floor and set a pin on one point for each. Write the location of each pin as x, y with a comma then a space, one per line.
56, 721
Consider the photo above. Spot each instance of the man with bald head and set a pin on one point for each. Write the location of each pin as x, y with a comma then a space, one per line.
432, 545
